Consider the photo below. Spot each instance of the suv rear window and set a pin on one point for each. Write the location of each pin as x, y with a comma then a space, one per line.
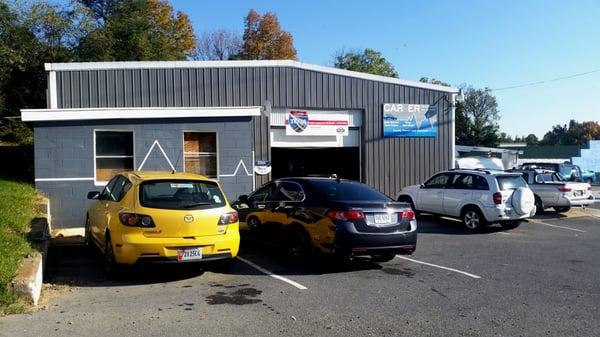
506, 182
181, 194
348, 191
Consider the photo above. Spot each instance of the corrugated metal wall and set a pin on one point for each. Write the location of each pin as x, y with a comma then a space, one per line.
388, 163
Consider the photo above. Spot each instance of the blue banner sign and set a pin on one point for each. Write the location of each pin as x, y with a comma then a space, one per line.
409, 120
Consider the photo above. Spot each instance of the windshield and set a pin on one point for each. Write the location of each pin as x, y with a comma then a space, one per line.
181, 194
348, 191
510, 182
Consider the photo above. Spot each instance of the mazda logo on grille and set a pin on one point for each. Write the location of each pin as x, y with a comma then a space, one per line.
188, 218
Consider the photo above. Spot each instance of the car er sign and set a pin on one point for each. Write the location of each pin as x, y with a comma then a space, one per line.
409, 120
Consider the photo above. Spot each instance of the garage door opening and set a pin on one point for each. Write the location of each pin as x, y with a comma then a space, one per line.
299, 162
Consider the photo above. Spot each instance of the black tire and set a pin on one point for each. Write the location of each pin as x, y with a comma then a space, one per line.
511, 224
473, 219
562, 209
539, 206
253, 223
297, 246
382, 257
87, 236
111, 267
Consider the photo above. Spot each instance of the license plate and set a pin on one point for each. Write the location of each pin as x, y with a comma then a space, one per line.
383, 218
579, 193
189, 254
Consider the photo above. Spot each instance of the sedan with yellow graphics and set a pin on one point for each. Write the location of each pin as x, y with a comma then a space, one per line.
161, 217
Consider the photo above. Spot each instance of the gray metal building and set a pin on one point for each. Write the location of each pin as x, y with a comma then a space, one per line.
225, 118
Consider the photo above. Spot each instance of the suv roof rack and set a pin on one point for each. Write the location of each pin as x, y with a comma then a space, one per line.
479, 169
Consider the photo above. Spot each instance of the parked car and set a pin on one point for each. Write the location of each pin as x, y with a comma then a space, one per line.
330, 216
551, 190
567, 171
477, 197
161, 217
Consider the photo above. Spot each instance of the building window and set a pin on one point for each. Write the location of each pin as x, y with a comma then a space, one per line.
200, 153
114, 154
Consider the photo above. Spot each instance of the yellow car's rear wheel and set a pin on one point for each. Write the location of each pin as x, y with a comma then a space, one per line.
110, 264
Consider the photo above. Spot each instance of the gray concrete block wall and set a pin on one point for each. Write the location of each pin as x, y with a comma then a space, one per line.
66, 150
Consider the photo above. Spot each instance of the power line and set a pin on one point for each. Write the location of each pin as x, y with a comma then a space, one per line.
547, 81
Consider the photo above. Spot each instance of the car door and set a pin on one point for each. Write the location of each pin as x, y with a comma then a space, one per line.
431, 194
112, 205
287, 201
98, 212
459, 191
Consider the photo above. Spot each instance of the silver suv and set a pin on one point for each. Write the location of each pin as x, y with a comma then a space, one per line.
477, 197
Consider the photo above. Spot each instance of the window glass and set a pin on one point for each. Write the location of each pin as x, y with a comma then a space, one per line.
439, 181
463, 181
200, 153
106, 193
114, 153
506, 182
289, 191
479, 183
347, 191
263, 194
181, 194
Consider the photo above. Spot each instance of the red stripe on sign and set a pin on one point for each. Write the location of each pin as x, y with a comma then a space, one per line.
317, 122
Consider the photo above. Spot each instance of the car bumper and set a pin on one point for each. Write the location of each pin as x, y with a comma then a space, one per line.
348, 240
131, 249
568, 202
495, 214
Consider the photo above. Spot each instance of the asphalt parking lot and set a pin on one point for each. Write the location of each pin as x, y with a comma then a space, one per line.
538, 279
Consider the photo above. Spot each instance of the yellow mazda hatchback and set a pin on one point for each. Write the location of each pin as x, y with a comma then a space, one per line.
161, 217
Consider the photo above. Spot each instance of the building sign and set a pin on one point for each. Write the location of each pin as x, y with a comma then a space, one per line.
313, 123
262, 167
409, 120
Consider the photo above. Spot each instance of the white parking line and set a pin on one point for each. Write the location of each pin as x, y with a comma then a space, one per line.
438, 266
557, 226
266, 272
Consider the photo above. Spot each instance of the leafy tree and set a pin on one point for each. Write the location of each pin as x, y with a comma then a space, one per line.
218, 45
574, 133
531, 139
433, 81
369, 61
265, 40
137, 30
477, 118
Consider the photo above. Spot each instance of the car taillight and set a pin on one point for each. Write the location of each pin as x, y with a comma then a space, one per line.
408, 214
565, 189
136, 220
346, 215
589, 188
228, 218
497, 198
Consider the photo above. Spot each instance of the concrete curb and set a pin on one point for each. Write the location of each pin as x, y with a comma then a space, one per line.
27, 284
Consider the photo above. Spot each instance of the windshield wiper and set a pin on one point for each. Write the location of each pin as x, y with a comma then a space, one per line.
196, 204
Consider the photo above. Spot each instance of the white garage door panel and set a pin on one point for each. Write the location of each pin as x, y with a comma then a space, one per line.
279, 139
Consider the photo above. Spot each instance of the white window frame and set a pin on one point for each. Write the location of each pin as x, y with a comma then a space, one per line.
216, 154
103, 183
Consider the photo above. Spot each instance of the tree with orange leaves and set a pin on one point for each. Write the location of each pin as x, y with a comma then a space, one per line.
265, 40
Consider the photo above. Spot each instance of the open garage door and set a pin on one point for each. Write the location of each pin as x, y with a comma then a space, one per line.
300, 162
332, 148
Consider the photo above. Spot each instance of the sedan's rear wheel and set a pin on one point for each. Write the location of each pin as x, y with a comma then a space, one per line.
473, 219
297, 247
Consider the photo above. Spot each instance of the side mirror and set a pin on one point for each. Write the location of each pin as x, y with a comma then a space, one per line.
422, 186
93, 195
243, 198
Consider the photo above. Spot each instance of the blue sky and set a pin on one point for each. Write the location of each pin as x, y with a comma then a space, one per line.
483, 43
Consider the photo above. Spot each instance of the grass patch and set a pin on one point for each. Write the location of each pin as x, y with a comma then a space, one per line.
17, 209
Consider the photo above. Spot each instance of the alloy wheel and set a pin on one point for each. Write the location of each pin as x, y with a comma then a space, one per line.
471, 219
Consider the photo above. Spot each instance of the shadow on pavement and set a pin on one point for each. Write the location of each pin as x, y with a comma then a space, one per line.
81, 266
436, 225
